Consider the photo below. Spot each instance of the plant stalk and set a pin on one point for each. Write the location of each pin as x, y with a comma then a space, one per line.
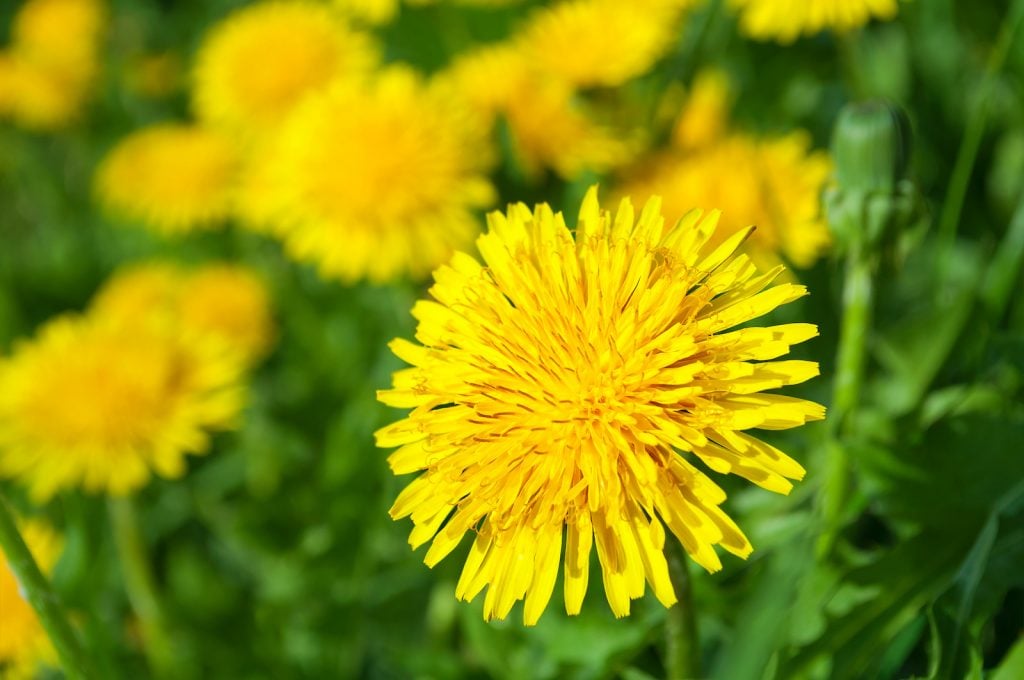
682, 642
37, 590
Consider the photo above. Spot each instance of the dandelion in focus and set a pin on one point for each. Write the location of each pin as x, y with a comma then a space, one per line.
379, 180
96, 403
48, 70
24, 644
226, 303
171, 178
238, 86
786, 20
601, 42
568, 383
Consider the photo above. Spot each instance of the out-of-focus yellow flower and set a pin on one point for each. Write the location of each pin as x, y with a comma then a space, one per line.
548, 123
264, 59
786, 20
566, 385
374, 12
379, 180
224, 302
24, 644
601, 42
171, 178
101, 404
52, 61
705, 117
773, 184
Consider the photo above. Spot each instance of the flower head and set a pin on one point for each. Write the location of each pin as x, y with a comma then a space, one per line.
98, 403
549, 124
773, 183
567, 385
171, 178
24, 642
379, 180
237, 86
224, 303
786, 20
601, 42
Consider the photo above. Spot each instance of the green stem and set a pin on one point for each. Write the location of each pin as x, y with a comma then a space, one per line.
682, 642
975, 130
40, 595
141, 588
858, 298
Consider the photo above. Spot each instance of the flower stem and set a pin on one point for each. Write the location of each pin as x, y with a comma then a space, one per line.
682, 643
40, 595
858, 298
140, 585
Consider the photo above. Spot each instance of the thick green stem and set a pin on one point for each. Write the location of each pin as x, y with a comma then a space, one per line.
855, 326
141, 588
40, 595
682, 643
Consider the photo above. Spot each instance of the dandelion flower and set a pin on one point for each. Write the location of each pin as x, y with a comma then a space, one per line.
705, 117
101, 404
570, 384
786, 20
238, 86
773, 183
374, 12
170, 178
34, 97
226, 303
549, 125
380, 180
60, 34
600, 42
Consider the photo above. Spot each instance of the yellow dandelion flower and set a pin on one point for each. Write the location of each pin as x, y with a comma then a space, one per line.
374, 12
101, 404
236, 85
60, 34
35, 97
171, 178
24, 643
226, 303
705, 116
601, 42
380, 179
775, 184
786, 20
548, 123
567, 384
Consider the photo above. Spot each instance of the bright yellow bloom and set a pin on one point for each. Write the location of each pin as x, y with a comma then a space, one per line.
257, 65
786, 20
51, 64
98, 403
548, 123
774, 184
23, 642
370, 11
601, 42
569, 383
705, 117
171, 178
380, 180
226, 303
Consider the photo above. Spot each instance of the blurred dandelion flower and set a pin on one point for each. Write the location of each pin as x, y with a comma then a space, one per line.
171, 178
786, 20
100, 404
773, 183
374, 12
380, 180
237, 86
52, 61
560, 384
705, 116
601, 42
24, 644
226, 303
548, 123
